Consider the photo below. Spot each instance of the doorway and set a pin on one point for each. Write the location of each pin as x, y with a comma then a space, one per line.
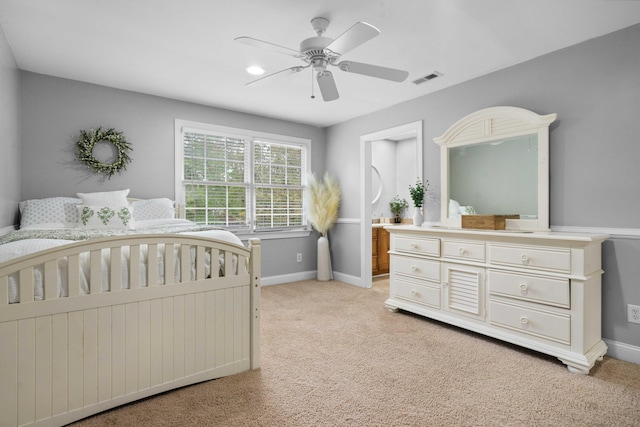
399, 133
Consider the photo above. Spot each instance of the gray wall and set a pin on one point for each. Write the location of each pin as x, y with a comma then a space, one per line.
54, 110
9, 129
383, 157
594, 151
395, 162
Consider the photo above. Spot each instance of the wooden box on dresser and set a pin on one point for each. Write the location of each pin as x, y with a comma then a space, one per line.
539, 290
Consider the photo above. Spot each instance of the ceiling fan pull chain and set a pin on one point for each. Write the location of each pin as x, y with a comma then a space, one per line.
312, 87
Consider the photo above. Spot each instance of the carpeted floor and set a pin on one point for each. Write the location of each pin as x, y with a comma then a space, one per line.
332, 355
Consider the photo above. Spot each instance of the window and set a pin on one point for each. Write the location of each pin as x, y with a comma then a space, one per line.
242, 180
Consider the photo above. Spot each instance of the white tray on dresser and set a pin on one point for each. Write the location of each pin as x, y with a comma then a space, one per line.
539, 290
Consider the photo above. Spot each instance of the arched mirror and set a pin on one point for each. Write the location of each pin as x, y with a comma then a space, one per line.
376, 185
496, 162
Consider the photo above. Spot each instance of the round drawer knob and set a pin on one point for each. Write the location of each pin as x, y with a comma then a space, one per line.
523, 287
414, 246
415, 269
414, 293
524, 258
524, 320
461, 251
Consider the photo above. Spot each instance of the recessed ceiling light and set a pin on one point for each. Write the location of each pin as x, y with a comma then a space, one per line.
255, 70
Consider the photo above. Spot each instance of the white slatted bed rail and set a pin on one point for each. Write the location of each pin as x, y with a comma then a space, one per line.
65, 358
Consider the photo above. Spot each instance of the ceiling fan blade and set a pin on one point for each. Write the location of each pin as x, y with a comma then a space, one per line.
373, 71
283, 73
327, 86
270, 46
359, 33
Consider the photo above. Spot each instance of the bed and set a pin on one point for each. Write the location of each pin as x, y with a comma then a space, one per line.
101, 315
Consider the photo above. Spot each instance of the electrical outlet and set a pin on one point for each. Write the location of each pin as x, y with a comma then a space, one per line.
633, 313
298, 257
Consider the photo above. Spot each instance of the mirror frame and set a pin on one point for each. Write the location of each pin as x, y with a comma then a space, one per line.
492, 124
374, 170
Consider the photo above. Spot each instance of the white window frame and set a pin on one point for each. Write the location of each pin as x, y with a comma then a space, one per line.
249, 135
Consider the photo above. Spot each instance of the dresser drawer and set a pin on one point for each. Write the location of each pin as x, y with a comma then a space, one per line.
416, 245
461, 249
555, 259
530, 288
420, 268
552, 326
425, 295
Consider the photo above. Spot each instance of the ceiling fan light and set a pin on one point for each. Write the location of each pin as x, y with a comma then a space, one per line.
255, 70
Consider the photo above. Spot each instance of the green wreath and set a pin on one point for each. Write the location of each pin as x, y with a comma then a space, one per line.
87, 141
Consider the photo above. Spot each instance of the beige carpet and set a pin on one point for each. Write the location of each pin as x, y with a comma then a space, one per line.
332, 355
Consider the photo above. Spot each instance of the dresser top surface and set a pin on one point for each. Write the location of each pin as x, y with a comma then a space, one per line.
441, 231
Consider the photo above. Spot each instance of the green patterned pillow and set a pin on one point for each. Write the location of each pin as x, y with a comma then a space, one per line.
161, 208
51, 212
101, 217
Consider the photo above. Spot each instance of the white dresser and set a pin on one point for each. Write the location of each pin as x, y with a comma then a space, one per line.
540, 290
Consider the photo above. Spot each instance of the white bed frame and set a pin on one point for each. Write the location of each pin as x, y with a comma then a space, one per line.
63, 359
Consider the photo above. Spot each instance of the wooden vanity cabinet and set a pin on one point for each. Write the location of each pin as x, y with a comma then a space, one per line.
379, 251
539, 290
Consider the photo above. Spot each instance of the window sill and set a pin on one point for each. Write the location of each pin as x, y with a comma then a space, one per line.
268, 235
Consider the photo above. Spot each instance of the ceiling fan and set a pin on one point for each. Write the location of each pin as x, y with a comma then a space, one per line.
319, 52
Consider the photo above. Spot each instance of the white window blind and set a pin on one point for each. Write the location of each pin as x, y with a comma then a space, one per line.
279, 185
215, 179
241, 181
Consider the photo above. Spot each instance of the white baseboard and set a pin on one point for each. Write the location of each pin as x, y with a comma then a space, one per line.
308, 275
347, 278
623, 351
288, 278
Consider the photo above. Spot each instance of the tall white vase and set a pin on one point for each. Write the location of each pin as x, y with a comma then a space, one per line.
324, 259
417, 217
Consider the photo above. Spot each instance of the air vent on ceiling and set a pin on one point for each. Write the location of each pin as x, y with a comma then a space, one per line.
427, 77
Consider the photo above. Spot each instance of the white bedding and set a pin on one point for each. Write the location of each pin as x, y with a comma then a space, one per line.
17, 248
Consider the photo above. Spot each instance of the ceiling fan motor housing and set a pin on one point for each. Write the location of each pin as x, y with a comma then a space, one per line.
314, 46
315, 54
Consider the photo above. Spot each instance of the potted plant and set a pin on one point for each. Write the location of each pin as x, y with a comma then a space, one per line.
417, 195
397, 205
324, 202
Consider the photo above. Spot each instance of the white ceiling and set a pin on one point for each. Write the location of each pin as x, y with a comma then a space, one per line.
185, 49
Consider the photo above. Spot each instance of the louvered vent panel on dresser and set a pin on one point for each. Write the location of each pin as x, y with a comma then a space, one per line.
464, 291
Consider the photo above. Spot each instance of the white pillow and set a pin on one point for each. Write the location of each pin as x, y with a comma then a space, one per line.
114, 199
153, 209
103, 217
467, 210
454, 208
40, 213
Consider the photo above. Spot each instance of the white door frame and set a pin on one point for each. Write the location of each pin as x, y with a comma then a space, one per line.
410, 129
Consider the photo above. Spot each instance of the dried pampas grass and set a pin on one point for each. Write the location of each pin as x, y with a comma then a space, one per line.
323, 202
